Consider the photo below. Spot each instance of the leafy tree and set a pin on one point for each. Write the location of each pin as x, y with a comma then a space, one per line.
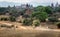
2, 10
39, 8
57, 9
40, 15
48, 9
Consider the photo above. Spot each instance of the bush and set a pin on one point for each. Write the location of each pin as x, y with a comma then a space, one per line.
12, 19
3, 25
58, 25
52, 19
36, 23
3, 18
27, 22
7, 26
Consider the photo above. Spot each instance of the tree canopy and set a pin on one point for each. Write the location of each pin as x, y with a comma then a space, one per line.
40, 15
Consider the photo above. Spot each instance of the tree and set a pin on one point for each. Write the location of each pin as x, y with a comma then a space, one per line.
39, 8
2, 10
48, 9
40, 15
57, 9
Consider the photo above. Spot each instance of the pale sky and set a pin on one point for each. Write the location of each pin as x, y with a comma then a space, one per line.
34, 2
27, 1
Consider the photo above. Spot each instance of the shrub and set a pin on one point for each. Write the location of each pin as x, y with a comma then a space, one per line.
12, 19
27, 22
3, 18
52, 19
36, 23
3, 25
58, 25
7, 26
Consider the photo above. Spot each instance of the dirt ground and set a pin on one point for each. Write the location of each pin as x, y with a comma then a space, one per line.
27, 31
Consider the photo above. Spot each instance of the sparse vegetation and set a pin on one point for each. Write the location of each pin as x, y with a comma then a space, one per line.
27, 22
12, 19
58, 25
4, 19
36, 23
52, 19
6, 26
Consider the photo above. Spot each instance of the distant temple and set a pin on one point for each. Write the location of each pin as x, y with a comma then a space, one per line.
28, 10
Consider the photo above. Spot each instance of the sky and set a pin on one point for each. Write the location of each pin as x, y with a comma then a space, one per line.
33, 2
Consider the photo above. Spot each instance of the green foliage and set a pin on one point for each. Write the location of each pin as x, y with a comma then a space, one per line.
27, 22
3, 19
39, 8
36, 23
13, 19
58, 25
48, 9
40, 15
2, 9
52, 19
57, 9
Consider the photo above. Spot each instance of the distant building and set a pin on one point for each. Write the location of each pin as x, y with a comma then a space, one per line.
28, 10
52, 5
57, 4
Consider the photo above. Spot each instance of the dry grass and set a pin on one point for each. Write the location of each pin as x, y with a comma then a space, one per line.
25, 31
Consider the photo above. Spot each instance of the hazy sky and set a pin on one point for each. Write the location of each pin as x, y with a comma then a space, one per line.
34, 2
27, 1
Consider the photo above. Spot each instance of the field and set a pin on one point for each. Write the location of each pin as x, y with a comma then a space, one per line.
28, 31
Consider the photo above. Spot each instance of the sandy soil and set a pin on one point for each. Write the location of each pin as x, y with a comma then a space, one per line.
27, 31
